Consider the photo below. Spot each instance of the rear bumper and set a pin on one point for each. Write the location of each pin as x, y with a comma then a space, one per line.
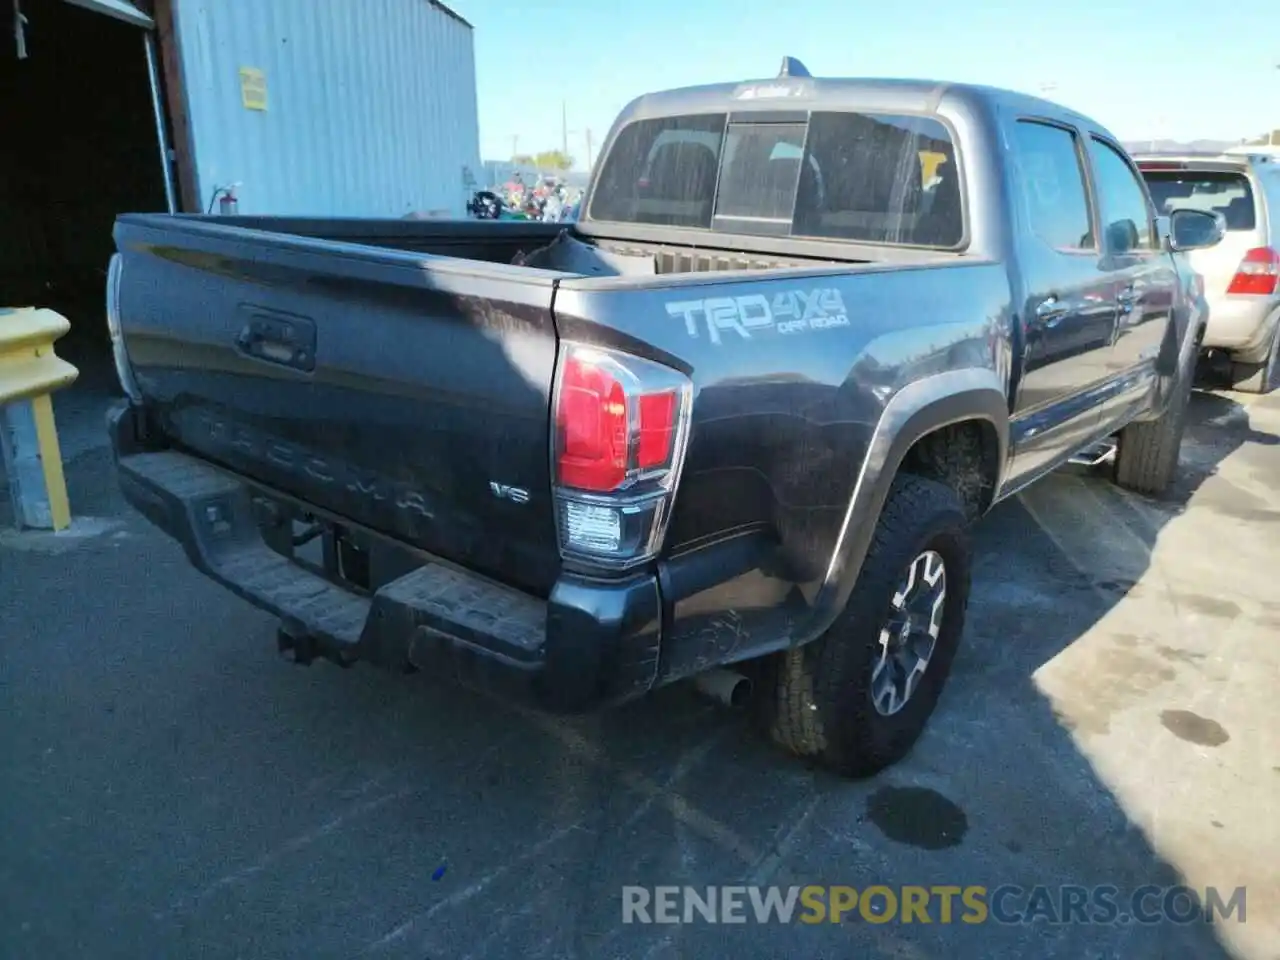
1241, 324
589, 643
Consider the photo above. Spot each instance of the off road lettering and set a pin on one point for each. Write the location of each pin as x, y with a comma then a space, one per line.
791, 311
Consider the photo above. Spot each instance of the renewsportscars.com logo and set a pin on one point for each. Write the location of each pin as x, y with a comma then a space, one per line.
1007, 904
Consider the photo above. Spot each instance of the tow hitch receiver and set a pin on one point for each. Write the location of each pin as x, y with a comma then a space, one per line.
303, 649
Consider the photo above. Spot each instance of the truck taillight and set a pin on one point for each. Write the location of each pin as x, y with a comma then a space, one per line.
124, 369
1259, 273
620, 429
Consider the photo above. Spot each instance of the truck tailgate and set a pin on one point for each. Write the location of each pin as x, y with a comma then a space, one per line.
406, 393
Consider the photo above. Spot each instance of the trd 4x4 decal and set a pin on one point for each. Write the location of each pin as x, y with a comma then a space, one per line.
788, 312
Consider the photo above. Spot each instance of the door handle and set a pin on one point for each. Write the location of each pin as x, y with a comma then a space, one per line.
1051, 311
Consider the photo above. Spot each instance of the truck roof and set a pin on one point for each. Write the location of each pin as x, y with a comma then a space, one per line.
789, 92
1236, 158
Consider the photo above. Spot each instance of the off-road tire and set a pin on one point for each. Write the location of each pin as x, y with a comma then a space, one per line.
815, 700
1147, 450
1262, 377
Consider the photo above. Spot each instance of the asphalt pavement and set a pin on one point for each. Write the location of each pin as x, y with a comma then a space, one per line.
170, 788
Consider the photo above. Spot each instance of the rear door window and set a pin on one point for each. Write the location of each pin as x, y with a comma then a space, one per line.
1051, 180
1225, 193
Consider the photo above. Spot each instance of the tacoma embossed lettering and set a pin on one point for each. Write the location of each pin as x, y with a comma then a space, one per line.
296, 459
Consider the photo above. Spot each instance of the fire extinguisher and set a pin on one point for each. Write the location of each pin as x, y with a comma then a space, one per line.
228, 204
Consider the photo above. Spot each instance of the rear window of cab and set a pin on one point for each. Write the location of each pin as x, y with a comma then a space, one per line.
872, 178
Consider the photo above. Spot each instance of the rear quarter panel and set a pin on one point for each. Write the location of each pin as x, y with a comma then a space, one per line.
793, 372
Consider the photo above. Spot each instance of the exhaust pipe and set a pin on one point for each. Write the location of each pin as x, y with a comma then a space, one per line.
726, 687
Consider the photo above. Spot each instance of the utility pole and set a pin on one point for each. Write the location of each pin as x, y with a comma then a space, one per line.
515, 146
564, 127
588, 135
1275, 121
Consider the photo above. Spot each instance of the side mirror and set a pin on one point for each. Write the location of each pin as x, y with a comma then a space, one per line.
1195, 229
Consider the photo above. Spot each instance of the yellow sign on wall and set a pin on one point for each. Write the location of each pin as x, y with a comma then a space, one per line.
253, 88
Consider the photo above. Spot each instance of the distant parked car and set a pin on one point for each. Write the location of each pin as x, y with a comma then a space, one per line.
1241, 274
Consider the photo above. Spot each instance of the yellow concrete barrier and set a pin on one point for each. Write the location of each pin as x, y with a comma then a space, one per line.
30, 371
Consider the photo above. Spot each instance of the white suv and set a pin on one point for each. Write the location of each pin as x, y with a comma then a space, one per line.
1241, 274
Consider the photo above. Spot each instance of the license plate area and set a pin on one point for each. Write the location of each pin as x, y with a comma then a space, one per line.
347, 556
323, 546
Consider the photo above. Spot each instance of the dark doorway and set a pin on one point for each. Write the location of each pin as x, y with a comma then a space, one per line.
78, 145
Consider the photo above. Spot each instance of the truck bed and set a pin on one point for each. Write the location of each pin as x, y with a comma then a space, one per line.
506, 242
398, 374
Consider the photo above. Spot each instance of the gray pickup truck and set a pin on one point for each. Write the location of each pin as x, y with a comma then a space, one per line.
732, 423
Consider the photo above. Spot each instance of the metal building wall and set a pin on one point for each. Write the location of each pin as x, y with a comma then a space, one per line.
370, 105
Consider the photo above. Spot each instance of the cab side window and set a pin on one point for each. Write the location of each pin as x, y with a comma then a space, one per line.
1122, 201
1052, 184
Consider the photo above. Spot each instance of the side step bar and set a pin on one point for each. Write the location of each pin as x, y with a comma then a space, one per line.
1096, 455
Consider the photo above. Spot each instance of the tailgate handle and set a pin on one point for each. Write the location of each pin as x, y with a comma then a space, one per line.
284, 340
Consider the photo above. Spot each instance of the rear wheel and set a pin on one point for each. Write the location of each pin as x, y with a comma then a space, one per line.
1260, 377
858, 698
1147, 450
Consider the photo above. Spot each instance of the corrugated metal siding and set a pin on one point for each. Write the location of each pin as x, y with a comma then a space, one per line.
371, 105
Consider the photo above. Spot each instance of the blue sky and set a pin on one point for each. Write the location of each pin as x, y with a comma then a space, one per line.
1181, 69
